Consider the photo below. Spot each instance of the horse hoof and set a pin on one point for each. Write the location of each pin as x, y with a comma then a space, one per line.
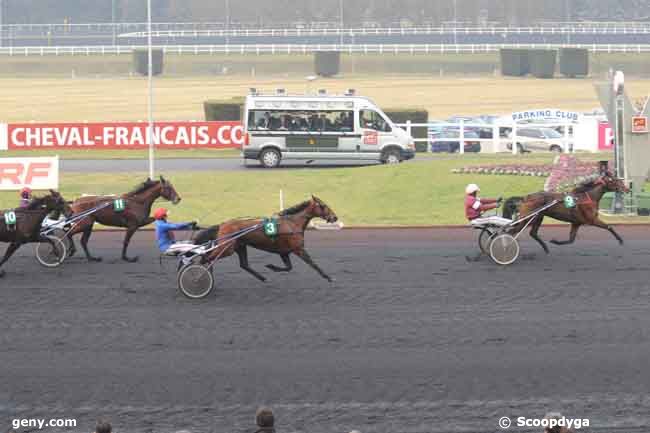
95, 259
554, 242
131, 259
2, 274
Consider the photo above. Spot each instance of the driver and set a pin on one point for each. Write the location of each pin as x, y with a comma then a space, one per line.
475, 206
165, 234
25, 197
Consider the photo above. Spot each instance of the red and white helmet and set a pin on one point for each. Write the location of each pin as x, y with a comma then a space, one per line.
160, 213
471, 188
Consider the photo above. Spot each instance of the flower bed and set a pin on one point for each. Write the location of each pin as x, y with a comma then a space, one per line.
565, 173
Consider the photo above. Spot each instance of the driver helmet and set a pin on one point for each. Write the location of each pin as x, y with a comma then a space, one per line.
471, 188
264, 417
160, 213
26, 192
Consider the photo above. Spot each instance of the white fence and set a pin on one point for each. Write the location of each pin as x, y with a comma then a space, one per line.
325, 29
497, 137
310, 48
393, 31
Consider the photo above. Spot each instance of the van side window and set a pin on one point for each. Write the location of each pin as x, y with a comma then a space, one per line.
296, 120
372, 120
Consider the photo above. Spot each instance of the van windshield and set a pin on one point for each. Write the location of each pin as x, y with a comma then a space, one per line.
370, 119
307, 121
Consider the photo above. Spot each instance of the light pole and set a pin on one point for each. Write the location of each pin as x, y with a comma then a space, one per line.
113, 18
2, 21
341, 22
150, 125
619, 145
227, 22
455, 22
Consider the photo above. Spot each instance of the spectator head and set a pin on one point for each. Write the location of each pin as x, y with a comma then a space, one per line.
264, 417
103, 426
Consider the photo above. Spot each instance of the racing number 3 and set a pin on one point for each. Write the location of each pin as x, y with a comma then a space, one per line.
270, 228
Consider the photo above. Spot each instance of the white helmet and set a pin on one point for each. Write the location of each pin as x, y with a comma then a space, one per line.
471, 188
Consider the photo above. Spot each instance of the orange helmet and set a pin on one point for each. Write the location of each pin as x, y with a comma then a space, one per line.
160, 213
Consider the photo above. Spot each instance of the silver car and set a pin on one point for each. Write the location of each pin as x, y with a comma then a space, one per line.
538, 139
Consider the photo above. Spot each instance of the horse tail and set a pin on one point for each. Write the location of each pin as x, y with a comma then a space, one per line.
206, 235
511, 206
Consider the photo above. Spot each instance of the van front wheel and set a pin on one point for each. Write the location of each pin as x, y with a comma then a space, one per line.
391, 157
270, 158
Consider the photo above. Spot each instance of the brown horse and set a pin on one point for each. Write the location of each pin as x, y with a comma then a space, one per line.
587, 197
292, 223
137, 207
28, 223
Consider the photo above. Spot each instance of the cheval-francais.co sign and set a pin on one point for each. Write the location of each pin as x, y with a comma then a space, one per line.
133, 135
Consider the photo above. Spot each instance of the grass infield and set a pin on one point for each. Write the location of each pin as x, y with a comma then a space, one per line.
418, 193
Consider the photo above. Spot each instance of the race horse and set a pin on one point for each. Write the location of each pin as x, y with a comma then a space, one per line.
585, 212
291, 225
28, 222
130, 210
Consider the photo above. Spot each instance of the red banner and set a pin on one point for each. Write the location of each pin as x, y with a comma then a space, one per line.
605, 137
133, 135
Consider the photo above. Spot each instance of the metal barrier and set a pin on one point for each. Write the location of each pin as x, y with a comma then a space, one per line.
502, 135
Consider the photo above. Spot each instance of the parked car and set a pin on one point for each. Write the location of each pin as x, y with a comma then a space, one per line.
483, 132
447, 140
538, 139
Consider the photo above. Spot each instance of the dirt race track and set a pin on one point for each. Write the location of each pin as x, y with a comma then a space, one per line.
410, 337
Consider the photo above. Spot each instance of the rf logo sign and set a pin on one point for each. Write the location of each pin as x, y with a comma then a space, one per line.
3, 136
35, 173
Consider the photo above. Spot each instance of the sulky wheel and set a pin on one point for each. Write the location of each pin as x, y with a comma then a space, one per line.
65, 238
504, 249
51, 253
484, 240
195, 281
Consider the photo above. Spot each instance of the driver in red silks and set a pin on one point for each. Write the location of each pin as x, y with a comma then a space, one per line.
25, 197
474, 205
474, 208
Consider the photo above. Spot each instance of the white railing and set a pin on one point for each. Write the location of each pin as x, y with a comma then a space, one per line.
389, 31
310, 48
254, 29
502, 135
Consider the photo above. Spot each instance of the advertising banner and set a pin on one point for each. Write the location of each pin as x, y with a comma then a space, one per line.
35, 173
132, 135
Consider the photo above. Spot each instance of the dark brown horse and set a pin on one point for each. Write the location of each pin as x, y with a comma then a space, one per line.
28, 223
135, 214
587, 197
290, 239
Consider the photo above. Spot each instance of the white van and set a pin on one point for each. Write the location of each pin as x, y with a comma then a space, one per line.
320, 126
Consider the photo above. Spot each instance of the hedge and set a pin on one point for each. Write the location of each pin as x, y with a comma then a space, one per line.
327, 63
574, 62
542, 63
229, 110
415, 116
141, 61
514, 62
